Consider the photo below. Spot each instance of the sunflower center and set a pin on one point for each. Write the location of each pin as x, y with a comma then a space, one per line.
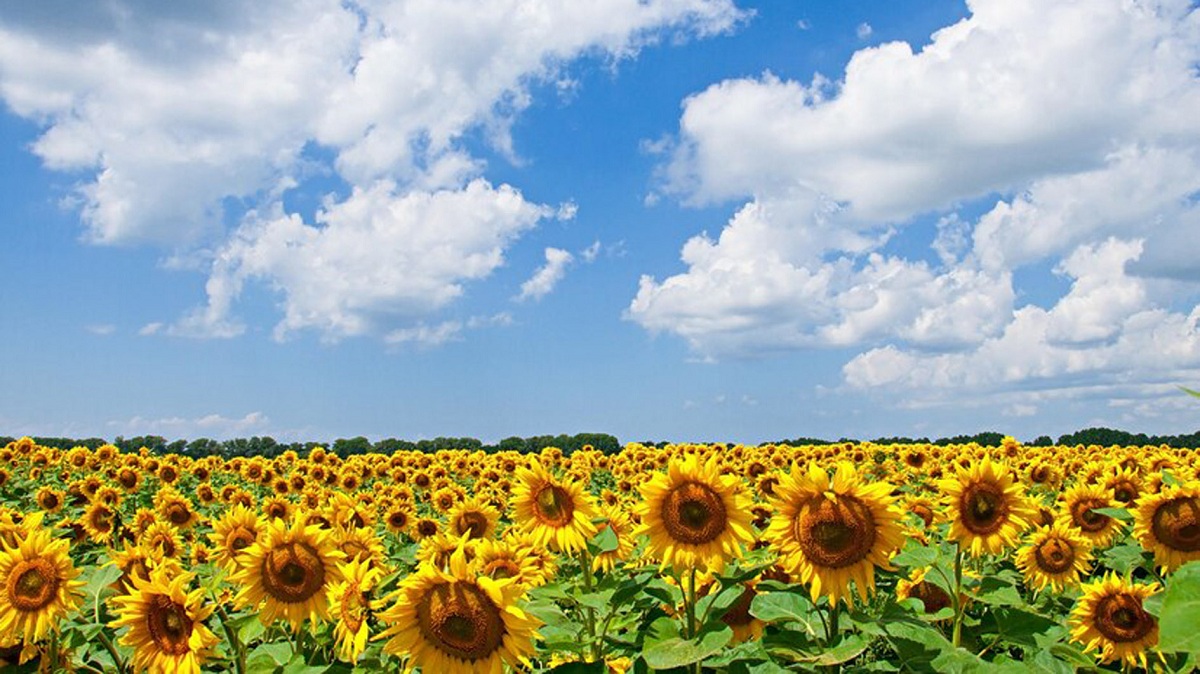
984, 508
934, 597
1176, 524
32, 584
293, 573
1125, 492
554, 506
501, 569
1122, 619
1054, 556
837, 533
924, 512
178, 514
1087, 519
169, 625
739, 613
239, 539
693, 513
473, 523
460, 620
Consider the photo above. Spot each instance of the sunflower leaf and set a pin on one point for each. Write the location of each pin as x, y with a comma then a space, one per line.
1115, 513
1190, 391
604, 541
679, 652
1181, 612
915, 555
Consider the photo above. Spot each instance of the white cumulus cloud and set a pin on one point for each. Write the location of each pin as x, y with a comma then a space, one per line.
175, 119
547, 276
1065, 121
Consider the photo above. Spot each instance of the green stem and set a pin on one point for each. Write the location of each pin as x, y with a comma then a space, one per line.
112, 650
239, 651
689, 605
833, 624
956, 598
589, 613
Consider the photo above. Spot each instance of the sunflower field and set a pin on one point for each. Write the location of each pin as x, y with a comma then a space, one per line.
851, 557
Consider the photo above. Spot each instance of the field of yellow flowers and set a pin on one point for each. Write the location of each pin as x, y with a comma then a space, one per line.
687, 558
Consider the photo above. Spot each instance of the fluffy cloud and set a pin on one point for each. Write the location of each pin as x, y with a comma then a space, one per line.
547, 276
207, 426
175, 120
1070, 116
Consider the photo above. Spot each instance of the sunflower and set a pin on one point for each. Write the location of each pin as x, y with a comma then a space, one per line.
1054, 556
360, 543
453, 621
133, 561
695, 517
987, 507
99, 521
616, 519
288, 570
232, 533
50, 499
506, 558
350, 604
39, 586
1079, 504
933, 596
1110, 618
738, 617
166, 622
175, 508
557, 514
830, 531
1168, 524
162, 539
475, 517
424, 528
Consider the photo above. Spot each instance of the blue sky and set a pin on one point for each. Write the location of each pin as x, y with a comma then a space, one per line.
681, 220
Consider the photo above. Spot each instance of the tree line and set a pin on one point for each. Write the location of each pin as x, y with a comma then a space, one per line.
268, 447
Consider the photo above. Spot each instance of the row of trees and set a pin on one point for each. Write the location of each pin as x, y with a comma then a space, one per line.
269, 447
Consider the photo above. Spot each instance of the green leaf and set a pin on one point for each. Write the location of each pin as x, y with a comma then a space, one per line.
1180, 612
630, 588
598, 601
1115, 513
605, 540
914, 555
784, 606
677, 652
996, 592
1016, 627
297, 665
1123, 558
1190, 391
268, 657
250, 629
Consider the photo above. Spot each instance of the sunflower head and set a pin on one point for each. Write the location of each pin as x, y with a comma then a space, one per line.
1055, 556
695, 516
831, 530
1168, 524
37, 586
1110, 619
288, 571
451, 620
987, 507
165, 622
556, 513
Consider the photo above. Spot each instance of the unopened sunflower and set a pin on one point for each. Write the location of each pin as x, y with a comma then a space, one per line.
1055, 556
288, 571
1168, 524
454, 621
695, 517
555, 513
830, 531
166, 622
1110, 618
987, 507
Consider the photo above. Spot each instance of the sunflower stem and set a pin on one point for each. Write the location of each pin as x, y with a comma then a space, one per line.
832, 627
956, 599
112, 651
589, 613
239, 651
689, 604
